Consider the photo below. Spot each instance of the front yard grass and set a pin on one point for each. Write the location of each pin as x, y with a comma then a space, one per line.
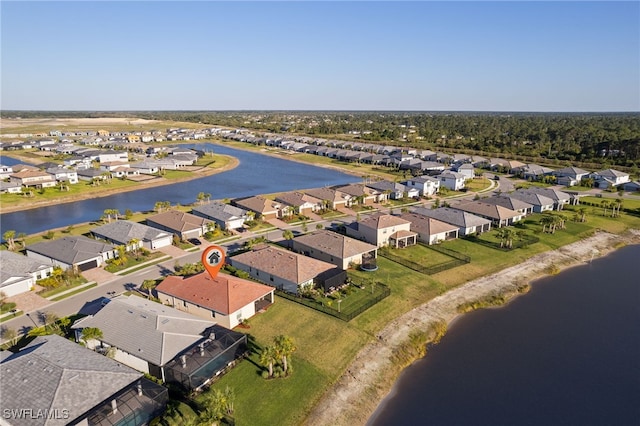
132, 261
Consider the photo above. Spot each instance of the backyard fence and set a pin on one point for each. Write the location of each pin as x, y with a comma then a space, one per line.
457, 259
380, 290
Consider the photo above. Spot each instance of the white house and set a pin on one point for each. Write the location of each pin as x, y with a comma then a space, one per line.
426, 185
452, 180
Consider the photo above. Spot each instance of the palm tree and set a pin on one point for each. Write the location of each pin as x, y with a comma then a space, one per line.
135, 247
214, 408
546, 220
90, 333
582, 211
148, 285
284, 347
9, 238
287, 234
268, 357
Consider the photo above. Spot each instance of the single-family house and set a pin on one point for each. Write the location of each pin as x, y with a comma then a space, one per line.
334, 248
426, 185
452, 180
79, 252
466, 222
174, 346
631, 186
32, 178
5, 171
19, 273
331, 198
510, 203
110, 156
63, 174
361, 194
300, 202
184, 225
559, 198
91, 175
395, 191
532, 172
430, 230
609, 178
53, 382
286, 270
263, 207
498, 215
465, 169
540, 203
10, 187
383, 230
133, 235
225, 299
224, 215
570, 176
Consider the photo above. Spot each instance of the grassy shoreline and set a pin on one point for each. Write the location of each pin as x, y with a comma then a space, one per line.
376, 371
99, 192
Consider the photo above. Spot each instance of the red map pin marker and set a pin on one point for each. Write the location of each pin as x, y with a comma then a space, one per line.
213, 259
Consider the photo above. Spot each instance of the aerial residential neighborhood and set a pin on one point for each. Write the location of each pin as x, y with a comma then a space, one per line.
188, 329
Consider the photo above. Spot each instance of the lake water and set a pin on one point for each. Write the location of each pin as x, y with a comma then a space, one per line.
256, 174
567, 353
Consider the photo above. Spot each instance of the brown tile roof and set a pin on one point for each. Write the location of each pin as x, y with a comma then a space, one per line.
334, 244
282, 263
328, 194
225, 294
427, 225
381, 221
297, 199
488, 210
180, 221
30, 173
258, 204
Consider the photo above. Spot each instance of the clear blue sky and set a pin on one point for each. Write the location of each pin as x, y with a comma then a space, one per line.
471, 56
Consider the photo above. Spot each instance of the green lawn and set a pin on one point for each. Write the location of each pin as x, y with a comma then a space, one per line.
132, 261
421, 255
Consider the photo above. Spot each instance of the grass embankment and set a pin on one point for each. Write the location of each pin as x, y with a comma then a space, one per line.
84, 190
326, 346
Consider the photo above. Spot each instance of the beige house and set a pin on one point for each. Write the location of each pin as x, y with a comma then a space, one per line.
184, 225
300, 202
330, 197
33, 178
430, 230
286, 270
263, 207
498, 215
225, 299
334, 248
384, 230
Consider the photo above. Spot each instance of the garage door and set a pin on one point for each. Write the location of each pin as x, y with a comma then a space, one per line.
88, 265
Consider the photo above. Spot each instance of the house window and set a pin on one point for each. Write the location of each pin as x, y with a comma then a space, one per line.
271, 278
184, 303
213, 314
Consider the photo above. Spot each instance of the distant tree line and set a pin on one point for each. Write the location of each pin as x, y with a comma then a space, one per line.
602, 138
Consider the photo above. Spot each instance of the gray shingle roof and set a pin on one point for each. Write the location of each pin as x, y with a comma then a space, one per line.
56, 374
123, 231
334, 244
453, 216
508, 202
146, 329
17, 265
220, 211
71, 250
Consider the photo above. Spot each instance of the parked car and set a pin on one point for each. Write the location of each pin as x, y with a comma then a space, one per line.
194, 241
